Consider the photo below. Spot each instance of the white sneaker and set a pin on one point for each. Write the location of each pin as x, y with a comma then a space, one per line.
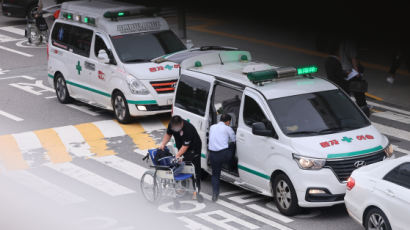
390, 79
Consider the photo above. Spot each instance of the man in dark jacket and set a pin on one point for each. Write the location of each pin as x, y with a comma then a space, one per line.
334, 70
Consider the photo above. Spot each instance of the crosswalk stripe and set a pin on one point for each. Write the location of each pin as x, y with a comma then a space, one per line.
165, 121
74, 141
31, 149
89, 178
246, 198
152, 125
5, 38
45, 188
388, 108
10, 154
140, 138
270, 213
95, 139
109, 128
393, 116
396, 148
13, 29
122, 165
51, 142
247, 213
402, 134
193, 225
82, 109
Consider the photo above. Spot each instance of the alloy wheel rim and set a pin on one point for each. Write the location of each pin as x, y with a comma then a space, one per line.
120, 109
283, 194
61, 90
376, 222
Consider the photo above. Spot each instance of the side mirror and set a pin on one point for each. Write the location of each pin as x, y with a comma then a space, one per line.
189, 44
259, 129
103, 56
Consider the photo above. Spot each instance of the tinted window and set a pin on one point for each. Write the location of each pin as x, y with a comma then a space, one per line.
72, 37
317, 113
140, 47
400, 175
253, 113
227, 100
192, 95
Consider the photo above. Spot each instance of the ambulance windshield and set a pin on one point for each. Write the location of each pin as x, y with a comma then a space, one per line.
317, 113
142, 47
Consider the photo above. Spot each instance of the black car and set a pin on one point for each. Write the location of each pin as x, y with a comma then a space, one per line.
19, 8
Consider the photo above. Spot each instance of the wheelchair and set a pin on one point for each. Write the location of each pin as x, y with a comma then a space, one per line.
36, 29
167, 178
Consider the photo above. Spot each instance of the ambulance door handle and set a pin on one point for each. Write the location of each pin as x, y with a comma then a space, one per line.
89, 65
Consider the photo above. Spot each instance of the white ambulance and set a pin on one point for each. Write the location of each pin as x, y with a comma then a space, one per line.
298, 136
100, 53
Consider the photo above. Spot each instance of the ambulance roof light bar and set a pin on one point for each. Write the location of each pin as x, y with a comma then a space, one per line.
266, 74
79, 18
147, 11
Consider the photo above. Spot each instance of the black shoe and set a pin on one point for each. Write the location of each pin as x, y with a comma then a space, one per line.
214, 197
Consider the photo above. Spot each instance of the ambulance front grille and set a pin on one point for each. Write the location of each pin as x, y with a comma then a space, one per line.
162, 87
344, 167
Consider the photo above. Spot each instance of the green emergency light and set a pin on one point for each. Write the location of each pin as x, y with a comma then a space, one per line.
307, 70
68, 15
271, 74
120, 14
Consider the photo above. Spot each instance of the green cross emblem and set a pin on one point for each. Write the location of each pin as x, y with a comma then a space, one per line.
168, 67
78, 67
347, 139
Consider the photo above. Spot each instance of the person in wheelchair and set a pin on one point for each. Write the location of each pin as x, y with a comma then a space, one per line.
188, 143
220, 137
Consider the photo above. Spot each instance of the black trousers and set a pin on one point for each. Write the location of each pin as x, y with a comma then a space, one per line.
195, 159
217, 160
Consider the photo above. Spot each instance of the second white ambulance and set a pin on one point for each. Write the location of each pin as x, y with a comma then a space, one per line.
298, 136
100, 53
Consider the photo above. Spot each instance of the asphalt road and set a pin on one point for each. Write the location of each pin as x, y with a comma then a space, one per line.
76, 168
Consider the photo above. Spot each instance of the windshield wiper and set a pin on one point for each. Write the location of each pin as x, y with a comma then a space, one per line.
136, 60
332, 130
302, 132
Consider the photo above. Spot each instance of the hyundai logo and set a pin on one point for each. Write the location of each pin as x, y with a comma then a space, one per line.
359, 164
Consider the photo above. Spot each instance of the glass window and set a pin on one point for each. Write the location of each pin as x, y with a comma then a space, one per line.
192, 95
227, 100
317, 113
72, 37
61, 35
253, 113
99, 45
142, 47
400, 175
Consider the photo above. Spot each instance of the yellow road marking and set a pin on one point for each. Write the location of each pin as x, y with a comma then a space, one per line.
10, 154
51, 142
374, 97
95, 139
203, 28
137, 133
165, 121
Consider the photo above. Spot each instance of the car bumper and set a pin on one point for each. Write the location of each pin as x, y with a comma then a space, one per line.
308, 182
354, 210
138, 110
11, 10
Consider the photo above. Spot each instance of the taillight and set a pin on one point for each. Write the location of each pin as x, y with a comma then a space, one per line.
350, 183
48, 52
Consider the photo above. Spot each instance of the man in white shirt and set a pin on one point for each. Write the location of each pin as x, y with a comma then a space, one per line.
220, 135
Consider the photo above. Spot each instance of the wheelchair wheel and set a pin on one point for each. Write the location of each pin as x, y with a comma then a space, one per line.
148, 188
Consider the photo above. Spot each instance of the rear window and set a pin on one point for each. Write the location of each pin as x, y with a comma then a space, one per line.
192, 95
68, 37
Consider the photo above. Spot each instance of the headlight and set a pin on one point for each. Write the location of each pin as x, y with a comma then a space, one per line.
136, 87
309, 163
389, 150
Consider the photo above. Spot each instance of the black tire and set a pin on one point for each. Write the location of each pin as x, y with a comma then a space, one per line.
60, 87
120, 106
376, 218
285, 197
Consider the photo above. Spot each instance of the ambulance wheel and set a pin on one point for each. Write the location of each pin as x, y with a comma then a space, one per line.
121, 110
285, 195
61, 89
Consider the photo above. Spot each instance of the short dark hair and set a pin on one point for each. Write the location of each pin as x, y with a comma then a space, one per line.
176, 120
226, 117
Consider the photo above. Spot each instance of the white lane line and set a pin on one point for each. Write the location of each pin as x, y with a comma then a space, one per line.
393, 116
396, 148
270, 213
10, 116
122, 165
230, 193
82, 109
16, 51
51, 97
224, 218
248, 213
89, 178
4, 38
109, 128
389, 108
193, 225
45, 188
13, 29
22, 76
246, 198
402, 134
